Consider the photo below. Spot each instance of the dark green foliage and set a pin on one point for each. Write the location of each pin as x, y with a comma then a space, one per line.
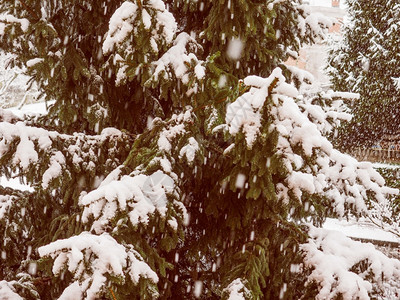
366, 61
51, 212
68, 37
266, 30
392, 179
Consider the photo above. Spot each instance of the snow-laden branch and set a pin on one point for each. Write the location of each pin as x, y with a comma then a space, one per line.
314, 24
341, 266
300, 125
236, 290
138, 195
10, 19
104, 256
7, 291
127, 27
180, 62
6, 201
29, 148
154, 16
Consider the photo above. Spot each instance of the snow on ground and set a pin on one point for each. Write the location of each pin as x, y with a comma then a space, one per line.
35, 108
362, 229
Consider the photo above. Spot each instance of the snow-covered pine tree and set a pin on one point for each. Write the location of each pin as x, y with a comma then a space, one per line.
210, 184
366, 61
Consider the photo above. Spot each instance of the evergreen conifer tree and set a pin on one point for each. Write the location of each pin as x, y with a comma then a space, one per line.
164, 170
366, 61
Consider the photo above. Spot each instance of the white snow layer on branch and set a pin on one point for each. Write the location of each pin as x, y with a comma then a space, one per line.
4, 18
102, 255
237, 290
341, 266
301, 125
34, 61
120, 25
189, 150
31, 140
129, 23
177, 59
55, 169
140, 195
7, 291
175, 128
317, 23
25, 153
396, 82
245, 112
301, 75
337, 176
8, 116
319, 115
6, 202
124, 21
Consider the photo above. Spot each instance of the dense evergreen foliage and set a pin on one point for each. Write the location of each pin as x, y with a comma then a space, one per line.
391, 174
163, 170
366, 61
